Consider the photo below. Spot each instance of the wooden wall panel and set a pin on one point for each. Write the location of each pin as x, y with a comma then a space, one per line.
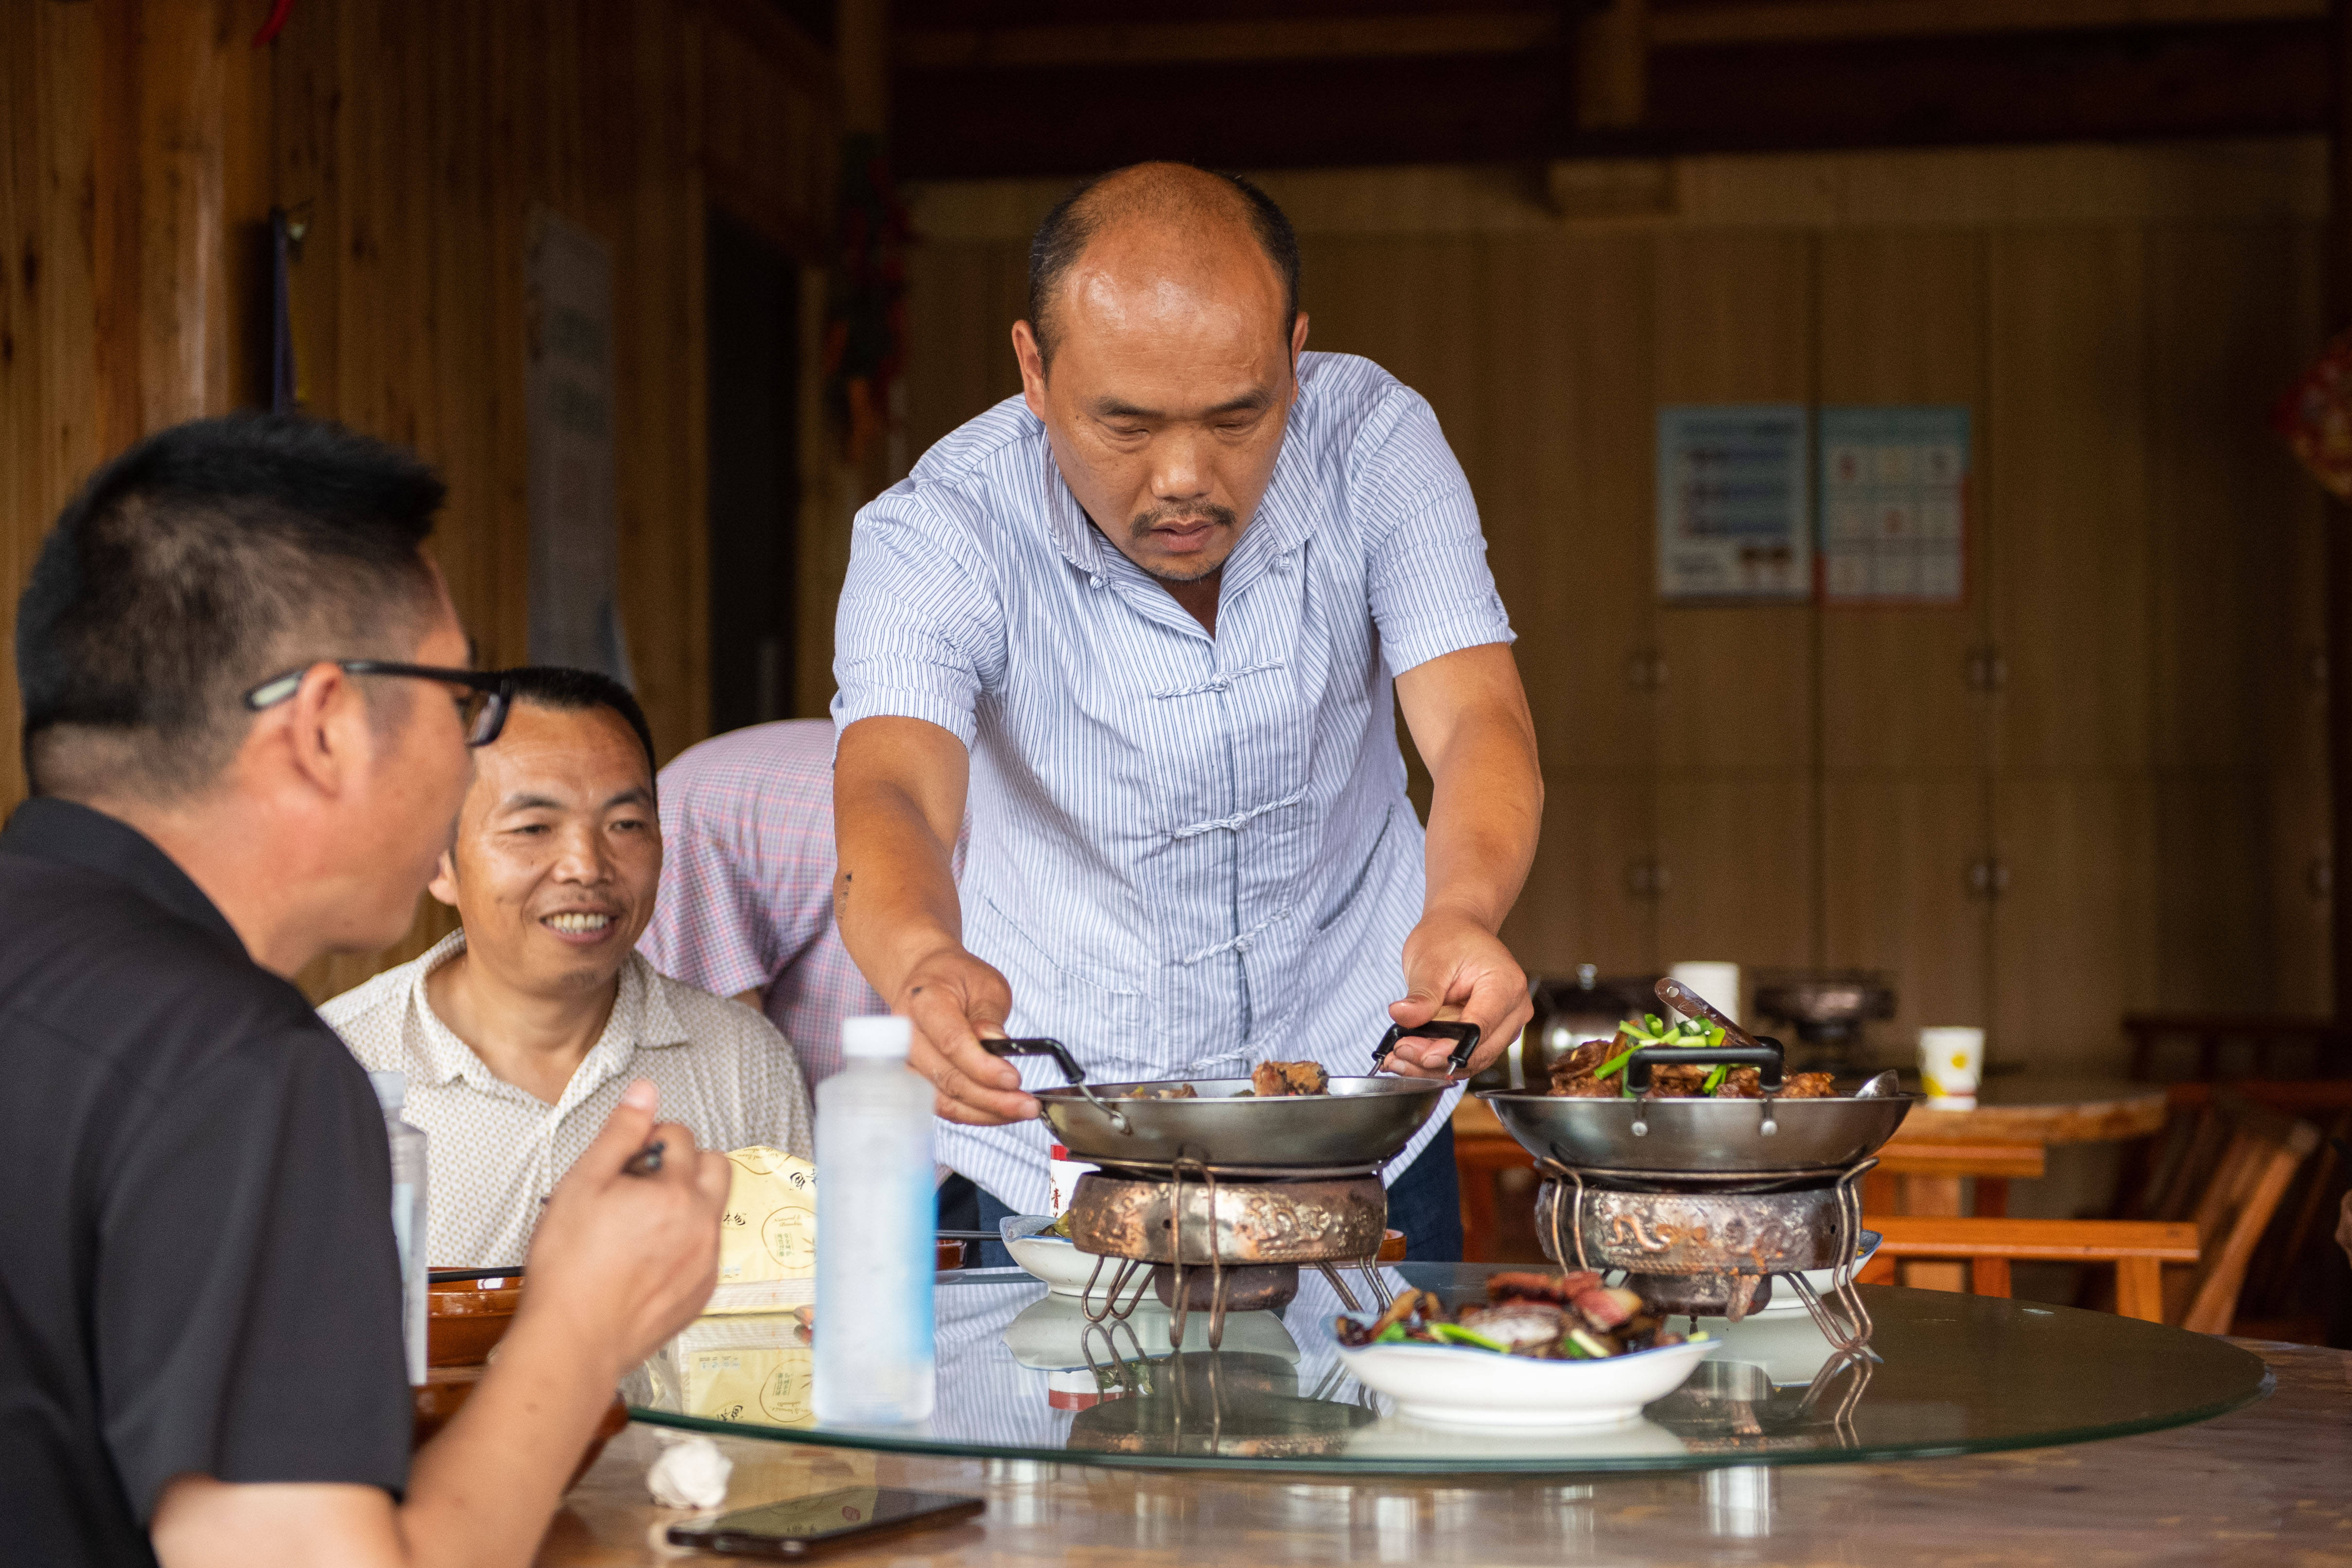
2069, 495
1902, 322
147, 141
1906, 742
1583, 904
1896, 844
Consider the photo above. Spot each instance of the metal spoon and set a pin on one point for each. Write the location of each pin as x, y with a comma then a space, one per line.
1691, 1004
1885, 1086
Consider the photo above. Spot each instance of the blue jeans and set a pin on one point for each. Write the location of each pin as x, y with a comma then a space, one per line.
1426, 1203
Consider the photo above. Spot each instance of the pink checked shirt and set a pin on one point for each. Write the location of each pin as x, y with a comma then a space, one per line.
747, 883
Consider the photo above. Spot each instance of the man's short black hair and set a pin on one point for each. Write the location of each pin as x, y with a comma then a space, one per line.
1074, 222
569, 691
197, 565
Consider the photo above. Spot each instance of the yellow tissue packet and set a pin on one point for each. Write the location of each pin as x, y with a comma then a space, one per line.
750, 1369
767, 1236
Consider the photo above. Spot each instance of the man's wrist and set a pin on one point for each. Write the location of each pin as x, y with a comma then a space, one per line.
1455, 908
558, 1338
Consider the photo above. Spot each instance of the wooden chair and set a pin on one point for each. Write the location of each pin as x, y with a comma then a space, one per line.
1904, 1168
2226, 1160
2217, 1046
2138, 1250
2257, 1163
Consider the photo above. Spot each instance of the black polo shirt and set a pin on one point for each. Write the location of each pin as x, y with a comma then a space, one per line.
197, 1270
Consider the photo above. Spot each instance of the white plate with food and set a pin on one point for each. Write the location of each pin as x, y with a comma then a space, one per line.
1053, 1258
1544, 1352
1785, 1299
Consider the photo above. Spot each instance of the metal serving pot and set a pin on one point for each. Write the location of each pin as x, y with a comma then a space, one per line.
1712, 1137
1362, 1121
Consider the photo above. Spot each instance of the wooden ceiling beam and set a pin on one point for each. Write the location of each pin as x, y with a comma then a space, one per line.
2203, 80
1187, 43
2258, 79
1703, 22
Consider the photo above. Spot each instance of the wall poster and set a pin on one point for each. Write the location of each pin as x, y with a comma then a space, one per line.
1893, 505
1733, 515
568, 409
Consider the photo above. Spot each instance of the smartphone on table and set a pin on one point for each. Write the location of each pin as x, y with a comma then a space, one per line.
803, 1527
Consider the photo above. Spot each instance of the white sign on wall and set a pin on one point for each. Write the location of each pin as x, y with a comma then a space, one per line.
1894, 505
1735, 520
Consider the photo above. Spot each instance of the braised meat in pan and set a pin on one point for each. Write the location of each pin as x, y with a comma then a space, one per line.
1274, 1080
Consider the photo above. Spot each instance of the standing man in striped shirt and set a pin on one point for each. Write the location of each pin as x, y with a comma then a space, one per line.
1150, 616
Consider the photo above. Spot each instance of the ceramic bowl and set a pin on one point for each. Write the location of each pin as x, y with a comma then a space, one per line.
1785, 1299
466, 1312
1058, 1262
1452, 1385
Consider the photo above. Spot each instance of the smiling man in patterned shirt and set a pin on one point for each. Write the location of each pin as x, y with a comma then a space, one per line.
520, 1031
1156, 616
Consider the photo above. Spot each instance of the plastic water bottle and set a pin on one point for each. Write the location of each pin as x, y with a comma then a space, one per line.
407, 1214
876, 1228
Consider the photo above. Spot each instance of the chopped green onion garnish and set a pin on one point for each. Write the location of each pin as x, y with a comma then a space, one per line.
1455, 1334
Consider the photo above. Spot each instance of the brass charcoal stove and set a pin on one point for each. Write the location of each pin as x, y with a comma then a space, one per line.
1704, 1204
1708, 1250
1224, 1238
1217, 1196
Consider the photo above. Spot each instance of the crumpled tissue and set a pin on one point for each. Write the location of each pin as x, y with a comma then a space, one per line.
690, 1473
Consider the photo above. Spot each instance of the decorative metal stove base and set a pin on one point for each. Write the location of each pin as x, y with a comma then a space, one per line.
1711, 1253
1222, 1238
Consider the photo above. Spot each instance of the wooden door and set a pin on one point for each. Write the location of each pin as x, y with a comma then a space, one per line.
1906, 742
1737, 800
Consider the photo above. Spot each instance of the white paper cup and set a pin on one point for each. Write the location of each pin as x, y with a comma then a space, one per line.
1951, 1061
1719, 983
1062, 1175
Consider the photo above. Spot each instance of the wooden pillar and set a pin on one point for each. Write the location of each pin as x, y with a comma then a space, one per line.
2338, 284
1612, 66
180, 181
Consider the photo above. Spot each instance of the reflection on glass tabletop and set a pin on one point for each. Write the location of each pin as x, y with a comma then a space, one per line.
1022, 1374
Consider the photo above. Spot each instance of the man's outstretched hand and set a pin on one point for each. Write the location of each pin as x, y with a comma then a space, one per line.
1456, 966
953, 999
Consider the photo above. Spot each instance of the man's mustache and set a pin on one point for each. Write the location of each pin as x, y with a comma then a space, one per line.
1181, 517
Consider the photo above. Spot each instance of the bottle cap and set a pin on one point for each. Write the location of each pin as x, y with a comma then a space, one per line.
391, 1088
884, 1036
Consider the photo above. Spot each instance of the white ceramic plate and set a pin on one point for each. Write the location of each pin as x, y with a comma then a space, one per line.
1785, 1299
1063, 1268
1450, 1385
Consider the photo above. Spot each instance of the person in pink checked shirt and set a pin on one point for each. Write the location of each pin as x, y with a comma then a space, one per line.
746, 902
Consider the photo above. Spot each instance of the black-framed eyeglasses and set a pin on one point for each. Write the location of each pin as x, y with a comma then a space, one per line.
486, 694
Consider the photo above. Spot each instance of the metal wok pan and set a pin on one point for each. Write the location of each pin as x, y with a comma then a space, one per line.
1362, 1121
1712, 1137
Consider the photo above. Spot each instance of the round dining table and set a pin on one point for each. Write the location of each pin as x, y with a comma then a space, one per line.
2162, 1446
2034, 1107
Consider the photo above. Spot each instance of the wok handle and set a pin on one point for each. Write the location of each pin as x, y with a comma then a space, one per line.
1764, 1057
1040, 1047
1456, 1029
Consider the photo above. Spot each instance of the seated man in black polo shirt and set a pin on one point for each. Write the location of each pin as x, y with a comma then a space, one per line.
246, 730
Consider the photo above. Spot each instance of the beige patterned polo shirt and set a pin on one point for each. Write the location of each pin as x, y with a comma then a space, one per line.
495, 1150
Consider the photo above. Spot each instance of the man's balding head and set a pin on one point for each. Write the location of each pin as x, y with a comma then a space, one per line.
1169, 300
1176, 219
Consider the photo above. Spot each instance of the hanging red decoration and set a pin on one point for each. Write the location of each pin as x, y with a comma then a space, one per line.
865, 311
2316, 416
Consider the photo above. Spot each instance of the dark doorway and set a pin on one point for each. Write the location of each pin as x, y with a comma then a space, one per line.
752, 321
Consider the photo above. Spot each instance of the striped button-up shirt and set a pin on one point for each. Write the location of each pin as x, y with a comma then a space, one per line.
1189, 854
747, 883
